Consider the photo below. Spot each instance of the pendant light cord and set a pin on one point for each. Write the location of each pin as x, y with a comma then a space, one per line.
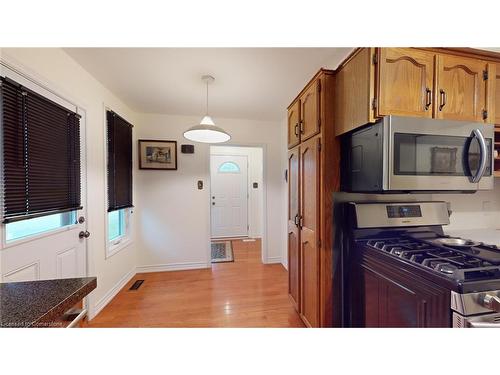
207, 99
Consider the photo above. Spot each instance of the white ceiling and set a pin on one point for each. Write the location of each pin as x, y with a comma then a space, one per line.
251, 83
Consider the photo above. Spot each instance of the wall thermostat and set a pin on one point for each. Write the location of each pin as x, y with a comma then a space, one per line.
187, 149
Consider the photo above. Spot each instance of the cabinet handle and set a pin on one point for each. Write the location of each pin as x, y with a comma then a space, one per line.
296, 129
301, 126
296, 220
428, 98
301, 222
442, 95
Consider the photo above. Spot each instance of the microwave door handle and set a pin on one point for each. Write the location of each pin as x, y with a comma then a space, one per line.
482, 156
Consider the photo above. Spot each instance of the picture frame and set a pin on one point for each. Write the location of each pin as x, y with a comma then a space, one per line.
157, 154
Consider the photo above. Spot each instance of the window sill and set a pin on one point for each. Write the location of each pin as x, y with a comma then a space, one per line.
113, 247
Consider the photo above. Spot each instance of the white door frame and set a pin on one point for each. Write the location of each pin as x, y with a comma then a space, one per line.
264, 245
26, 76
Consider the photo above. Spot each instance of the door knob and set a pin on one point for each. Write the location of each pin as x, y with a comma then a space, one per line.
213, 203
83, 234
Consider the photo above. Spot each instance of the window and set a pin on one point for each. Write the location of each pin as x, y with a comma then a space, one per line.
119, 162
229, 167
116, 224
41, 157
119, 145
25, 228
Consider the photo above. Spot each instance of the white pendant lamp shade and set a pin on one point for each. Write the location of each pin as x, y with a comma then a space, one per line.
207, 132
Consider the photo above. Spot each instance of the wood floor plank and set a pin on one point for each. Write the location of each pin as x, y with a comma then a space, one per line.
243, 293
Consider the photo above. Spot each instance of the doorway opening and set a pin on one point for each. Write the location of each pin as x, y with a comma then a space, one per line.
236, 203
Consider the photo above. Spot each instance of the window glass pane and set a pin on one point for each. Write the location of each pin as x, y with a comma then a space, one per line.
25, 228
229, 167
116, 224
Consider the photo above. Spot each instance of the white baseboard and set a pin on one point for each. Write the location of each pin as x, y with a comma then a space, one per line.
111, 294
172, 267
271, 260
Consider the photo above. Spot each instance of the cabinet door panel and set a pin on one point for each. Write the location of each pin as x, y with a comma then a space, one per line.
309, 233
293, 124
461, 89
496, 95
384, 296
293, 229
405, 82
310, 111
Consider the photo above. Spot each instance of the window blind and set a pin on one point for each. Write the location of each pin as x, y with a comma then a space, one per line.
41, 154
119, 162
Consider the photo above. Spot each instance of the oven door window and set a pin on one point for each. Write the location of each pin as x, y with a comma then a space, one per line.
438, 155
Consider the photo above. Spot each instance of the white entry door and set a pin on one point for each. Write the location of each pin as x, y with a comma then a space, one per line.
229, 196
47, 247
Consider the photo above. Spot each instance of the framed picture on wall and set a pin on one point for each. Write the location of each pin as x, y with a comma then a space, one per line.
157, 154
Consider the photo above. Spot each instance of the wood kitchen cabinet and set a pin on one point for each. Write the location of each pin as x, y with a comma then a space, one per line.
460, 88
405, 82
304, 120
418, 82
309, 231
294, 125
293, 227
386, 297
310, 120
313, 176
496, 89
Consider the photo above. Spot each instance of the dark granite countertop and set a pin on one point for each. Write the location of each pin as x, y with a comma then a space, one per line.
38, 303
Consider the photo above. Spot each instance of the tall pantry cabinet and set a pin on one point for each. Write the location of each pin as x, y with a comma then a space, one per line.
313, 176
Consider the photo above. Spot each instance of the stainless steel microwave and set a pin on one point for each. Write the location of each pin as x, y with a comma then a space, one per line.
409, 154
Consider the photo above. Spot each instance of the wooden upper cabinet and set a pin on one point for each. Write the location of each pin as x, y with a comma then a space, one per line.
309, 231
293, 228
405, 82
416, 82
460, 88
310, 111
494, 78
293, 124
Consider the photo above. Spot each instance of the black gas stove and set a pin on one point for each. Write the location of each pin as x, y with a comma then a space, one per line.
462, 264
401, 270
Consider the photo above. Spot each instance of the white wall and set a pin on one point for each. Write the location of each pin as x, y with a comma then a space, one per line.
173, 216
255, 174
56, 70
480, 210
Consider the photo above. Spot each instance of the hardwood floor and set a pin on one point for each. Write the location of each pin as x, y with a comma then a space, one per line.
243, 293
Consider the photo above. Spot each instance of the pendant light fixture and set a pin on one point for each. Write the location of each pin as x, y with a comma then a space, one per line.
207, 132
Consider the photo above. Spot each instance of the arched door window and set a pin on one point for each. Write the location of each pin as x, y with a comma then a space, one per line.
229, 167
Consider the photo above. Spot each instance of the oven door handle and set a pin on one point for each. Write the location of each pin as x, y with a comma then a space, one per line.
483, 325
476, 133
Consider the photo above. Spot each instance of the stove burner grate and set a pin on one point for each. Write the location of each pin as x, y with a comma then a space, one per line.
463, 264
